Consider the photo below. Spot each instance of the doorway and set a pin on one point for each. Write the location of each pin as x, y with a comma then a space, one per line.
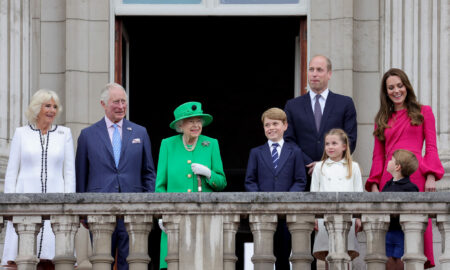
237, 67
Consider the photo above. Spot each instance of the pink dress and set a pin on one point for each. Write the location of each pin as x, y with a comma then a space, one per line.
403, 135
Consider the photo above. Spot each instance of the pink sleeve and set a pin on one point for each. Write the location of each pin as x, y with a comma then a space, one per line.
431, 164
378, 160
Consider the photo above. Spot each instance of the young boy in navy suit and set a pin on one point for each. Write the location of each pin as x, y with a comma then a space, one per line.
276, 166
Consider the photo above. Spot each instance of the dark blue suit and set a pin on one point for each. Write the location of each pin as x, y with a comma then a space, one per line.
289, 176
96, 170
339, 112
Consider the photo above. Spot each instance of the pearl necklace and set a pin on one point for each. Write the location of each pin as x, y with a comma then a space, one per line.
189, 148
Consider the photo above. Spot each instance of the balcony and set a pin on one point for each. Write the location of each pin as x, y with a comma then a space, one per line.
202, 226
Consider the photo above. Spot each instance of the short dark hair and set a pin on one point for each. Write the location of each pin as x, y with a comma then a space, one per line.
407, 161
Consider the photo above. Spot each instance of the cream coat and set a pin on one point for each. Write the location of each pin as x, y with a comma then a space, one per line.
23, 175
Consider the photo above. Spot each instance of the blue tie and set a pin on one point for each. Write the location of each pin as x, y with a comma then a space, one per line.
275, 155
317, 112
116, 144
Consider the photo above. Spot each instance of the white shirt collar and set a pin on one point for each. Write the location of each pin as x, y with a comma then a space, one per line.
280, 142
324, 94
109, 123
330, 162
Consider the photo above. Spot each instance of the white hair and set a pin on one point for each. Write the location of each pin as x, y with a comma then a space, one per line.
104, 96
39, 98
179, 123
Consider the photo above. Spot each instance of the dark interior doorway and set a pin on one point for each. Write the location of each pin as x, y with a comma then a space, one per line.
237, 67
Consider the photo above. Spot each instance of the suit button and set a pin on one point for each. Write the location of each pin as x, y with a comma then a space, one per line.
318, 141
189, 175
276, 178
189, 161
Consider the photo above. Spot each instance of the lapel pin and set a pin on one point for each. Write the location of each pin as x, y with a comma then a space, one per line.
129, 128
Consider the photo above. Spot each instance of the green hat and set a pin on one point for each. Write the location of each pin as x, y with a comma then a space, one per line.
188, 110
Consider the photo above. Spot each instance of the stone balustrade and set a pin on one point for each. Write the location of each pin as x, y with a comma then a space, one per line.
201, 227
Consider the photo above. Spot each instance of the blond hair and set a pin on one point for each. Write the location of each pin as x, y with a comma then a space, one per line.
40, 97
274, 114
347, 154
407, 161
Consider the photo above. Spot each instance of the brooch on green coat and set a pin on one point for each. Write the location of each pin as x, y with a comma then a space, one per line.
205, 143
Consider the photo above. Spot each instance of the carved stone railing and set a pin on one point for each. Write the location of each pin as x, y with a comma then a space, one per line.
217, 216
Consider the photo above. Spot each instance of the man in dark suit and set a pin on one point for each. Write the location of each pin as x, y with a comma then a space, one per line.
114, 155
276, 166
312, 115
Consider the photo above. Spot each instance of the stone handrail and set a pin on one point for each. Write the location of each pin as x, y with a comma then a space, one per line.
224, 211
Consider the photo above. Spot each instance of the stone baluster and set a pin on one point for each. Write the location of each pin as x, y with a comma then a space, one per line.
27, 228
101, 228
443, 222
172, 225
375, 226
414, 226
301, 227
65, 228
230, 226
338, 226
263, 227
138, 227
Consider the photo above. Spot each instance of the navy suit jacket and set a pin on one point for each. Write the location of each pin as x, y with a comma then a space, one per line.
289, 175
339, 112
95, 167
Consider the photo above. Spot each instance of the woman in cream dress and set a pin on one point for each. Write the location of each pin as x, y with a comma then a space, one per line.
41, 161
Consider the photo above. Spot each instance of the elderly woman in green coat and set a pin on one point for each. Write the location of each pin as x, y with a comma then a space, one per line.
188, 162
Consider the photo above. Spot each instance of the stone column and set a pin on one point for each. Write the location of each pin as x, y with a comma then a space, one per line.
230, 226
65, 228
27, 228
338, 226
375, 226
414, 226
443, 222
301, 227
172, 225
138, 227
263, 227
101, 228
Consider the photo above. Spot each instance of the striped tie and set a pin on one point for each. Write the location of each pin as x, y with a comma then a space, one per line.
116, 144
275, 157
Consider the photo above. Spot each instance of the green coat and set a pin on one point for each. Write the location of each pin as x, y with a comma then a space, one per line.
174, 173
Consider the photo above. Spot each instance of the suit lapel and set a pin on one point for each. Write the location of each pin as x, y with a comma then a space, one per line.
267, 156
104, 136
308, 110
285, 152
329, 104
127, 131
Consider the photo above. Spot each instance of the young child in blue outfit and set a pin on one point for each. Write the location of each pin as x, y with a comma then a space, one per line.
276, 166
401, 166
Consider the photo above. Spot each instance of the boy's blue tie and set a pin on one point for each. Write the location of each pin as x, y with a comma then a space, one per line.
275, 155
116, 144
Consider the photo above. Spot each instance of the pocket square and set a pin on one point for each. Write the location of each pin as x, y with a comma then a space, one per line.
136, 140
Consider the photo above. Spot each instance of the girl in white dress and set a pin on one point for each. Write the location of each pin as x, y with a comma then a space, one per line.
336, 172
41, 161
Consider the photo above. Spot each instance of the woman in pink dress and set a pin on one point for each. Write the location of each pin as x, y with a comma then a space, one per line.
403, 123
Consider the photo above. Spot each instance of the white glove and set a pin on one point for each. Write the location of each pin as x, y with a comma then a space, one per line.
161, 226
200, 169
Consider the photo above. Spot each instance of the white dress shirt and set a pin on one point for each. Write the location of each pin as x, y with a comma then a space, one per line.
110, 127
322, 99
279, 147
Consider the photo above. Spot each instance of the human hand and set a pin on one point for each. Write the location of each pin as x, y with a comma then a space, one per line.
375, 188
161, 225
200, 169
311, 167
316, 225
430, 184
358, 225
